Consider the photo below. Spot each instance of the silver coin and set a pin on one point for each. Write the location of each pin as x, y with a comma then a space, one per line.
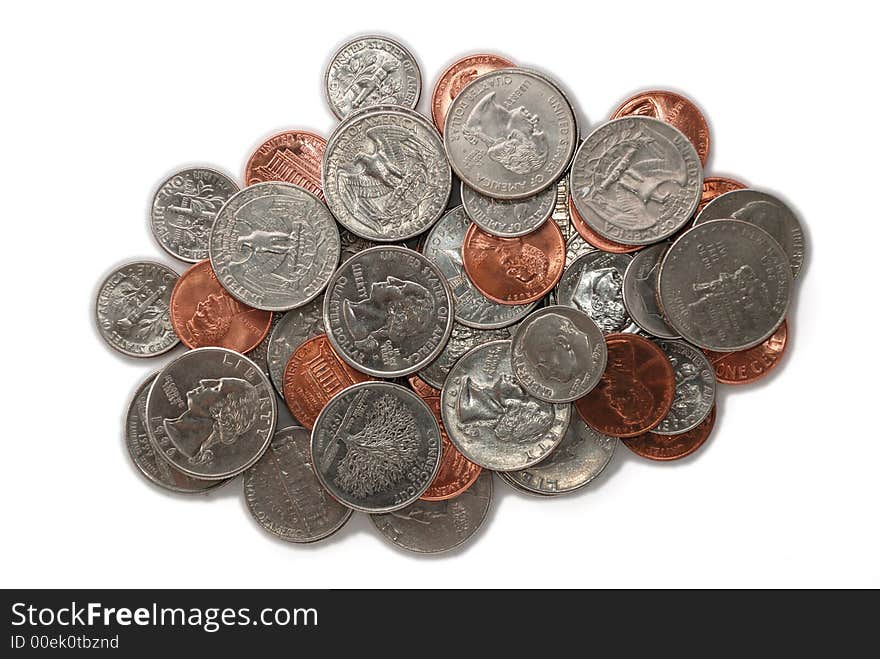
184, 208
211, 413
385, 174
640, 291
510, 134
491, 419
371, 70
351, 244
388, 311
636, 180
284, 495
725, 285
462, 339
558, 354
508, 480
132, 309
765, 211
575, 247
593, 283
694, 388
376, 447
259, 355
294, 327
508, 218
560, 213
430, 527
581, 456
472, 308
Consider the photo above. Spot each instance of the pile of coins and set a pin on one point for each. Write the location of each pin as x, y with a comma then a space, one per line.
579, 293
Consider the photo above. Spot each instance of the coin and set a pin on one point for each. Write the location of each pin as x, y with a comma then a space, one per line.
453, 80
293, 156
593, 284
636, 180
575, 247
376, 447
491, 419
456, 473
560, 213
461, 340
422, 388
388, 311
694, 388
508, 480
635, 392
371, 70
725, 285
260, 354
671, 447
204, 314
274, 246
715, 186
746, 366
640, 292
284, 495
292, 329
184, 207
132, 309
211, 413
508, 218
592, 238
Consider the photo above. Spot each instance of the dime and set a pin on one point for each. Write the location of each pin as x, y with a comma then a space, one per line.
184, 207
292, 329
454, 79
376, 447
586, 232
746, 366
694, 388
274, 246
456, 473
132, 309
508, 218
284, 495
715, 186
575, 247
211, 413
204, 314
640, 292
725, 285
671, 447
293, 156
388, 311
635, 392
593, 284
422, 388
560, 213
461, 340
491, 419
636, 180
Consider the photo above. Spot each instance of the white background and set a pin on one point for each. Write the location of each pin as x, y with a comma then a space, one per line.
101, 101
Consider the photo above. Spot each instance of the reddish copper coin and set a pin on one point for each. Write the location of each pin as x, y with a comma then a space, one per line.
204, 314
514, 270
293, 156
715, 186
597, 241
422, 388
313, 375
675, 110
456, 473
745, 366
636, 389
454, 79
671, 447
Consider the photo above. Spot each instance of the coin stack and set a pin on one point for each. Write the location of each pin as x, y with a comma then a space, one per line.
579, 293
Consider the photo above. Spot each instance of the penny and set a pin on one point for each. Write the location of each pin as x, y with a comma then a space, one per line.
293, 156
715, 186
204, 314
422, 388
636, 389
456, 77
594, 239
640, 292
132, 309
211, 413
746, 366
184, 207
461, 340
291, 331
508, 218
284, 495
514, 271
456, 473
376, 447
694, 388
593, 284
671, 447
274, 246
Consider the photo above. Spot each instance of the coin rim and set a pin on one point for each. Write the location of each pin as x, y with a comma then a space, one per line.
508, 234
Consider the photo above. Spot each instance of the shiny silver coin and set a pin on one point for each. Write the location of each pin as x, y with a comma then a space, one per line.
508, 218
388, 311
376, 447
430, 527
558, 354
132, 309
491, 419
640, 291
593, 284
284, 495
462, 339
575, 247
211, 413
184, 208
510, 134
292, 329
636, 180
694, 388
560, 213
725, 285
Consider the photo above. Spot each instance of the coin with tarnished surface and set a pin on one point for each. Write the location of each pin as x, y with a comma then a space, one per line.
293, 156
508, 218
456, 77
640, 292
593, 284
694, 388
725, 285
715, 186
671, 447
422, 388
586, 232
635, 392
636, 180
510, 134
204, 314
491, 419
429, 527
132, 309
376, 447
274, 246
291, 330
284, 495
456, 473
745, 366
388, 311
211, 413
461, 340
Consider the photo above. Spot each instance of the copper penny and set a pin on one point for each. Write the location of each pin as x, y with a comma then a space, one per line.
715, 186
456, 473
674, 109
313, 375
514, 270
745, 366
456, 77
636, 389
293, 156
204, 314
593, 238
671, 447
422, 388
